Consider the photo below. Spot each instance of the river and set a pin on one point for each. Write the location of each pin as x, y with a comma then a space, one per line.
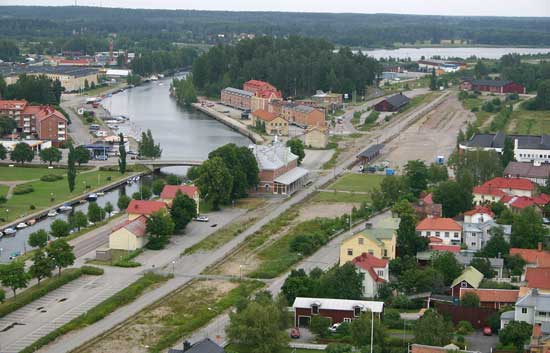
464, 52
183, 133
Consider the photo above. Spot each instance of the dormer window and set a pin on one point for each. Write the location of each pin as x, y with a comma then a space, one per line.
314, 308
357, 311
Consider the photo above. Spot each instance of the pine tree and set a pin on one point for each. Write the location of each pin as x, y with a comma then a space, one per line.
71, 169
122, 154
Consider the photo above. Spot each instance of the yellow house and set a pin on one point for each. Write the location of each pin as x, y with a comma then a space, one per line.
169, 193
274, 124
380, 242
138, 208
316, 137
130, 235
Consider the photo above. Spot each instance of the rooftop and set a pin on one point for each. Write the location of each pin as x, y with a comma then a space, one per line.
527, 170
204, 346
264, 115
540, 142
480, 210
535, 299
75, 71
369, 263
470, 275
398, 100
510, 183
145, 207
239, 92
538, 277
136, 226
437, 223
170, 191
339, 304
533, 256
493, 295
273, 156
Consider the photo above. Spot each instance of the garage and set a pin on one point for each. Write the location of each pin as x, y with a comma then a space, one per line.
304, 321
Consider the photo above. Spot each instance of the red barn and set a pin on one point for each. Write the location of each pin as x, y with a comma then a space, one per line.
392, 104
493, 86
337, 310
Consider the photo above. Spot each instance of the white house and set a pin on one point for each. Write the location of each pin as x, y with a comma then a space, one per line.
476, 230
446, 229
375, 272
533, 308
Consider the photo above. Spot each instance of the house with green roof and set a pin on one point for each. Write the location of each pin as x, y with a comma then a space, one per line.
469, 278
380, 242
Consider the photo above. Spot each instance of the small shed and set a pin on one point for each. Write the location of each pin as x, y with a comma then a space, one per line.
370, 153
393, 103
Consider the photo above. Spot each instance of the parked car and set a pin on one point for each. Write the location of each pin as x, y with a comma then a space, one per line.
101, 157
295, 332
200, 218
334, 327
487, 331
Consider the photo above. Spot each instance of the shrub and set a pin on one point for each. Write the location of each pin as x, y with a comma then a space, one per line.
23, 189
3, 199
475, 109
32, 207
109, 178
401, 302
91, 270
319, 325
51, 178
392, 318
464, 328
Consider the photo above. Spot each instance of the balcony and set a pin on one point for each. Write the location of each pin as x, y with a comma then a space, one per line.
61, 126
542, 318
61, 132
61, 138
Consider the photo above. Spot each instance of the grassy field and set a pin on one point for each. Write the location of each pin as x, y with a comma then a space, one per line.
418, 100
529, 122
3, 190
23, 173
20, 205
357, 182
339, 197
101, 90
482, 116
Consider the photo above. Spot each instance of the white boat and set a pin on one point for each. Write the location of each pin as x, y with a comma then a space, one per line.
65, 208
92, 197
153, 78
1, 235
100, 193
52, 213
21, 225
136, 178
9, 231
31, 222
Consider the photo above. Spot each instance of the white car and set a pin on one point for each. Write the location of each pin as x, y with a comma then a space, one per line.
201, 218
334, 327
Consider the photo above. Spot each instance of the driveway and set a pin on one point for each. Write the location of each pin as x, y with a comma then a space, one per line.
477, 342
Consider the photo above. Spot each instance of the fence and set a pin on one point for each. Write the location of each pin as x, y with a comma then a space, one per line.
478, 317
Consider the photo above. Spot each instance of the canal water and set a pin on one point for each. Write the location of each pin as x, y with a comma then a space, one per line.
183, 133
464, 52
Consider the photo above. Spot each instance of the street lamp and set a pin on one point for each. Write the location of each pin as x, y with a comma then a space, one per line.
7, 214
173, 267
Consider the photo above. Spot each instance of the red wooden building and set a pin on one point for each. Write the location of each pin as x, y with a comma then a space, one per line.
337, 310
392, 104
492, 86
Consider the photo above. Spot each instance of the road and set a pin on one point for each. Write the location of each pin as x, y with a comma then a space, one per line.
187, 265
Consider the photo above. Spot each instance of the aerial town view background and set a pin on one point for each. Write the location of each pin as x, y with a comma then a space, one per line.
274, 180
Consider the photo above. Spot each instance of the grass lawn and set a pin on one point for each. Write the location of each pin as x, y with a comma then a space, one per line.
339, 197
357, 182
529, 122
24, 173
3, 190
100, 90
482, 116
20, 205
331, 163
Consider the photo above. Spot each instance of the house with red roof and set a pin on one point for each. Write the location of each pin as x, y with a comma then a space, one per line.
446, 229
479, 214
130, 235
138, 208
533, 257
375, 272
518, 203
495, 189
493, 298
538, 277
425, 207
169, 193
273, 124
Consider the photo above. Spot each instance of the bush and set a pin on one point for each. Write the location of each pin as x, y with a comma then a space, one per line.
23, 189
92, 271
392, 318
474, 109
319, 325
32, 207
401, 302
3, 199
51, 178
464, 328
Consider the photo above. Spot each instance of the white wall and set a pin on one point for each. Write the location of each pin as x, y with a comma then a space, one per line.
448, 237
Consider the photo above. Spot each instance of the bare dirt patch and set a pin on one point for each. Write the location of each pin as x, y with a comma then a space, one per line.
328, 210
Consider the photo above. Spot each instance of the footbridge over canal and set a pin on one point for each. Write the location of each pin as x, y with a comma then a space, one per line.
155, 164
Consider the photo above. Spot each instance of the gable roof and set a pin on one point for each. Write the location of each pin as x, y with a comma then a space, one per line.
538, 277
470, 275
492, 83
206, 345
438, 224
145, 207
170, 191
398, 100
480, 210
511, 183
136, 226
272, 157
13, 104
527, 170
264, 115
444, 247
369, 262
493, 295
535, 299
339, 304
238, 92
371, 151
376, 235
533, 256
521, 202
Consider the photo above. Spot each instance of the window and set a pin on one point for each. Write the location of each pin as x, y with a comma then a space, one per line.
428, 233
524, 310
361, 241
347, 319
464, 284
380, 273
446, 234
437, 234
473, 243
315, 309
356, 311
371, 252
385, 253
350, 252
456, 234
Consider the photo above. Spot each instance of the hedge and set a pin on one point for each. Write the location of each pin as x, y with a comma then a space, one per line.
23, 189
51, 177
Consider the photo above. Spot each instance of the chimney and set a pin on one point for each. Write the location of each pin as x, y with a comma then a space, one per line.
539, 246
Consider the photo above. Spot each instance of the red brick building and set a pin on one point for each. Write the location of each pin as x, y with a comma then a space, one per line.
236, 98
261, 88
42, 121
337, 310
303, 115
492, 86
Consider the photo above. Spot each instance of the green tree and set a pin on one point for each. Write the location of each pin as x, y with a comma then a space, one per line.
95, 213
144, 193
437, 173
483, 265
360, 330
415, 280
542, 100
183, 210
123, 202
159, 227
3, 152
469, 300
408, 242
147, 147
38, 239
121, 154
319, 325
50, 155
481, 165
507, 155
453, 198
433, 81
7, 125
60, 228
215, 182
13, 276
516, 333
158, 186
78, 220
298, 284
392, 318
417, 176
297, 147
42, 266
71, 168
259, 327
393, 189
515, 264
342, 282
108, 208
22, 153
497, 246
2, 292
81, 155
527, 229
61, 254
402, 208
432, 329
447, 264
339, 348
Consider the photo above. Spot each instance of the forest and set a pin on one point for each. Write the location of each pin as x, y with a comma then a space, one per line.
157, 29
297, 66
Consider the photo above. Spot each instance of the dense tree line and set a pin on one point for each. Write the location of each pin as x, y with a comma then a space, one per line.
35, 89
297, 66
157, 28
8, 50
150, 62
528, 74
